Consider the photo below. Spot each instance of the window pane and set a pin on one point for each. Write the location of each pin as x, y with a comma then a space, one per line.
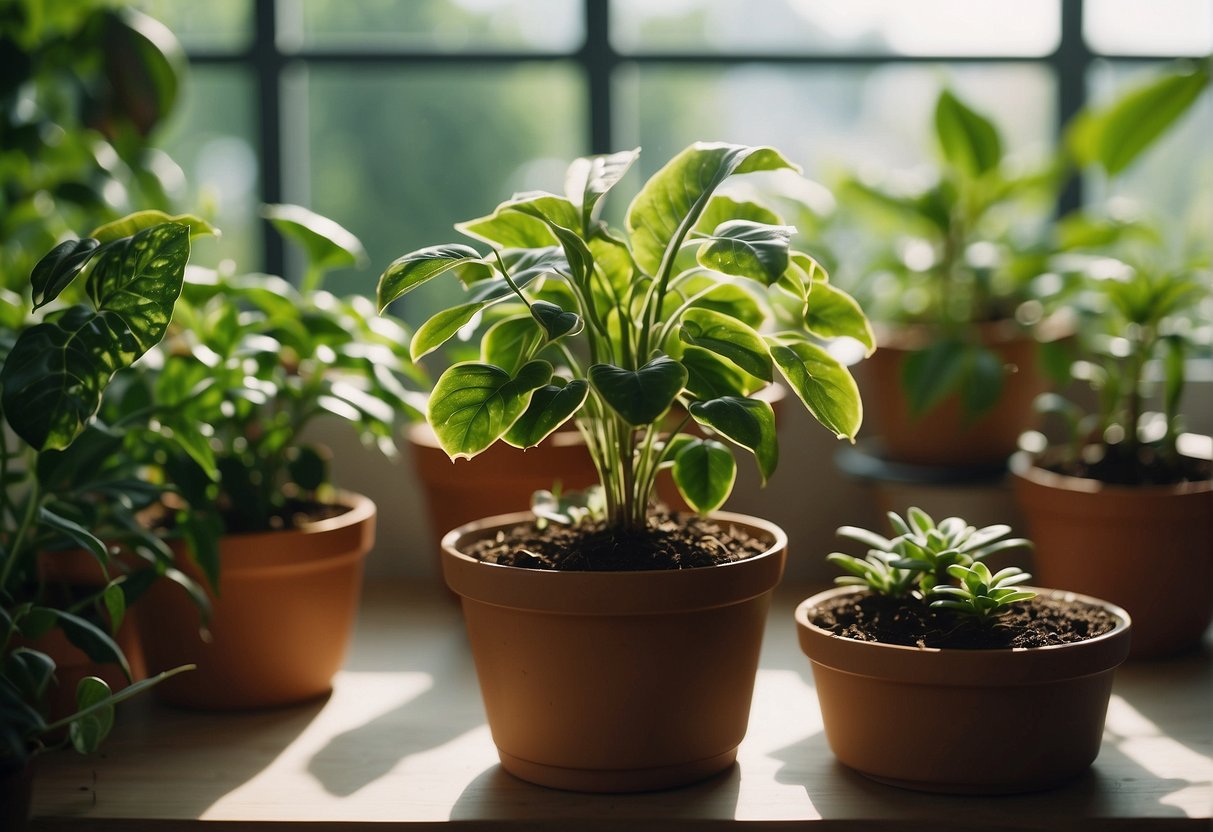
895, 27
400, 156
1160, 27
211, 138
225, 25
433, 25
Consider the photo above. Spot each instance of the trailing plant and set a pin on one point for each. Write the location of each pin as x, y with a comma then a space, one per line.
55, 463
249, 365
700, 301
923, 560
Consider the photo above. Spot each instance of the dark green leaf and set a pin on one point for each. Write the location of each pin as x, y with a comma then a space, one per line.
308, 468
114, 599
551, 406
727, 337
930, 375
95, 642
704, 472
30, 672
410, 271
710, 377
748, 422
748, 249
969, 141
79, 535
56, 270
473, 405
982, 385
823, 384
554, 320
640, 396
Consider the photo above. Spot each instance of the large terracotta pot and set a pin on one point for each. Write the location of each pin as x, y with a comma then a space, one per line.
615, 681
1147, 548
280, 624
963, 721
944, 436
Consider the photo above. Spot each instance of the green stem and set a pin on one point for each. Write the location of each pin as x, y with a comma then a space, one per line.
34, 502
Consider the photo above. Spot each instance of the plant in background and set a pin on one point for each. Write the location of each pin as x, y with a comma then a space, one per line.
54, 376
249, 366
920, 563
612, 328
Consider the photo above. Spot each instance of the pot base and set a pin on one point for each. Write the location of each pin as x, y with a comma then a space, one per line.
608, 781
1023, 787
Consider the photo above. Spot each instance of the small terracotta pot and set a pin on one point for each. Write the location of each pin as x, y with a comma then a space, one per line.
615, 681
281, 622
1146, 548
943, 436
963, 721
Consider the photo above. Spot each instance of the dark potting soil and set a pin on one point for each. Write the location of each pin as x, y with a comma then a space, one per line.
1038, 622
1118, 466
671, 541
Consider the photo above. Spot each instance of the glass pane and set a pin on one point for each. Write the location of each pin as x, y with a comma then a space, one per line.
399, 156
211, 138
1172, 182
894, 27
222, 25
433, 25
1160, 27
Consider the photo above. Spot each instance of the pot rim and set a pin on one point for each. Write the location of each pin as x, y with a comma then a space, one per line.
360, 508
894, 336
977, 668
1023, 466
618, 592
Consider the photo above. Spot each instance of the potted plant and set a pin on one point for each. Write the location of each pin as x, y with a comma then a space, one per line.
619, 653
54, 375
251, 363
922, 649
1122, 493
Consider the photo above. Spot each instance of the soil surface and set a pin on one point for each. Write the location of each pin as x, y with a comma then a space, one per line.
1116, 465
671, 541
1038, 622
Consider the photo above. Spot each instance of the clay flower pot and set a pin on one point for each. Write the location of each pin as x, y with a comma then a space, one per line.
281, 622
615, 681
1147, 548
943, 436
963, 721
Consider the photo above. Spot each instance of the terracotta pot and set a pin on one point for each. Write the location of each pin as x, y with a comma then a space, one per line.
963, 721
1146, 548
498, 481
282, 620
943, 436
615, 681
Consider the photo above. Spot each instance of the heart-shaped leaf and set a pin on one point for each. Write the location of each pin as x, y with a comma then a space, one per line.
588, 180
640, 396
832, 313
704, 472
56, 270
672, 201
410, 271
473, 405
823, 384
551, 406
727, 337
328, 245
969, 140
87, 731
511, 342
748, 249
748, 422
554, 320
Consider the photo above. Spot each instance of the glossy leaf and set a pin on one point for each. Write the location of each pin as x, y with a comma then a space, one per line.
969, 140
823, 384
721, 209
410, 271
511, 342
59, 267
523, 221
729, 299
554, 320
748, 422
748, 249
704, 472
89, 730
728, 338
473, 405
672, 201
132, 224
710, 377
832, 313
328, 245
139, 279
114, 600
551, 406
95, 642
588, 180
79, 535
640, 396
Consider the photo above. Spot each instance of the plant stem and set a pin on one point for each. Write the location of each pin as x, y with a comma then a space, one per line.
33, 503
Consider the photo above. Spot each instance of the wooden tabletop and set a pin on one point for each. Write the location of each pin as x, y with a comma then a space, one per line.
402, 741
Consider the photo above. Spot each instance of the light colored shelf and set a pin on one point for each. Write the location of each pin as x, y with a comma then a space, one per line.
402, 741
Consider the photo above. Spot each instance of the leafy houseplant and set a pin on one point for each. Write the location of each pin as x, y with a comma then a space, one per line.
55, 373
1122, 482
250, 365
935, 646
700, 302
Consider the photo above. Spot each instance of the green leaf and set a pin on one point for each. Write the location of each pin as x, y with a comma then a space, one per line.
441, 328
551, 406
823, 384
95, 642
588, 180
410, 271
89, 730
930, 375
308, 468
748, 422
114, 599
748, 249
132, 224
640, 396
555, 321
727, 337
704, 472
59, 267
721, 209
79, 535
327, 244
832, 313
30, 672
983, 382
969, 141
726, 298
710, 377
511, 342
525, 221
671, 202
473, 405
